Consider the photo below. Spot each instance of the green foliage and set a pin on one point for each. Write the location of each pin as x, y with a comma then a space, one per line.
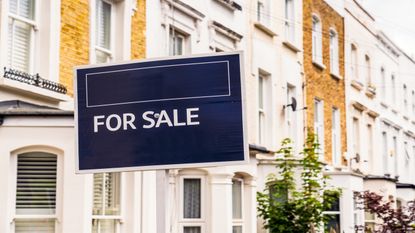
287, 207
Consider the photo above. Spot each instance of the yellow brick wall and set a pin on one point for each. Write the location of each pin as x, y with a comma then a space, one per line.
74, 39
319, 83
138, 30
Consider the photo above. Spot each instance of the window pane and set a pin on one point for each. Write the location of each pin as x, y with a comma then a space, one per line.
103, 28
27, 9
333, 225
191, 198
104, 226
106, 194
19, 42
237, 229
36, 183
35, 226
261, 92
192, 230
176, 45
237, 199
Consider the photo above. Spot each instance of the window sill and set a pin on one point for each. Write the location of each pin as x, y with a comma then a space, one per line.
34, 90
406, 118
385, 105
336, 76
265, 29
319, 65
357, 85
395, 111
371, 91
291, 46
231, 5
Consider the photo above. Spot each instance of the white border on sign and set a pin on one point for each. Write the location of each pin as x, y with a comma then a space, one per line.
156, 100
172, 166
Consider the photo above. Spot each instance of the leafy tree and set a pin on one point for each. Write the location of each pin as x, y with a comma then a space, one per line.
399, 220
288, 207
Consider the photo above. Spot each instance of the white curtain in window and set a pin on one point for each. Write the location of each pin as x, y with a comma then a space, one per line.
192, 198
103, 29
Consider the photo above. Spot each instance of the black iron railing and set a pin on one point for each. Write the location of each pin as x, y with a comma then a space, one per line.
34, 80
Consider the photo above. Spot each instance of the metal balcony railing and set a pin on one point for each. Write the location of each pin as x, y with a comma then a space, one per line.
34, 80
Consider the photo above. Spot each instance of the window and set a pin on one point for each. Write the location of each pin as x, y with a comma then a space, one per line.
393, 81
335, 137
354, 71
319, 125
192, 205
36, 192
21, 34
291, 117
356, 212
289, 20
237, 197
370, 145
385, 153
395, 155
407, 157
106, 211
103, 31
383, 82
356, 137
333, 225
262, 111
177, 42
334, 52
413, 102
264, 12
317, 41
368, 71
405, 98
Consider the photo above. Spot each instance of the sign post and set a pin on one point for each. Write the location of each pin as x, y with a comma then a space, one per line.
160, 114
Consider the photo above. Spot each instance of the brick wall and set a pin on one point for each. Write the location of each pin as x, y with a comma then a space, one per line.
319, 83
74, 39
138, 30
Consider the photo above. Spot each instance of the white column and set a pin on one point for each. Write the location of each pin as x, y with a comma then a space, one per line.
249, 210
221, 203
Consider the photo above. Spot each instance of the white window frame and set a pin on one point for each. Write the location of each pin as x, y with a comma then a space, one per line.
264, 12
239, 222
95, 47
319, 125
413, 101
335, 213
117, 218
192, 222
290, 116
317, 39
385, 152
393, 84
368, 67
334, 51
383, 82
174, 32
354, 61
356, 132
369, 128
405, 98
34, 25
289, 20
395, 155
336, 137
56, 217
263, 113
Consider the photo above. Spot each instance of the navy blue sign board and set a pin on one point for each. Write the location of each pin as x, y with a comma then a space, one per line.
162, 113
